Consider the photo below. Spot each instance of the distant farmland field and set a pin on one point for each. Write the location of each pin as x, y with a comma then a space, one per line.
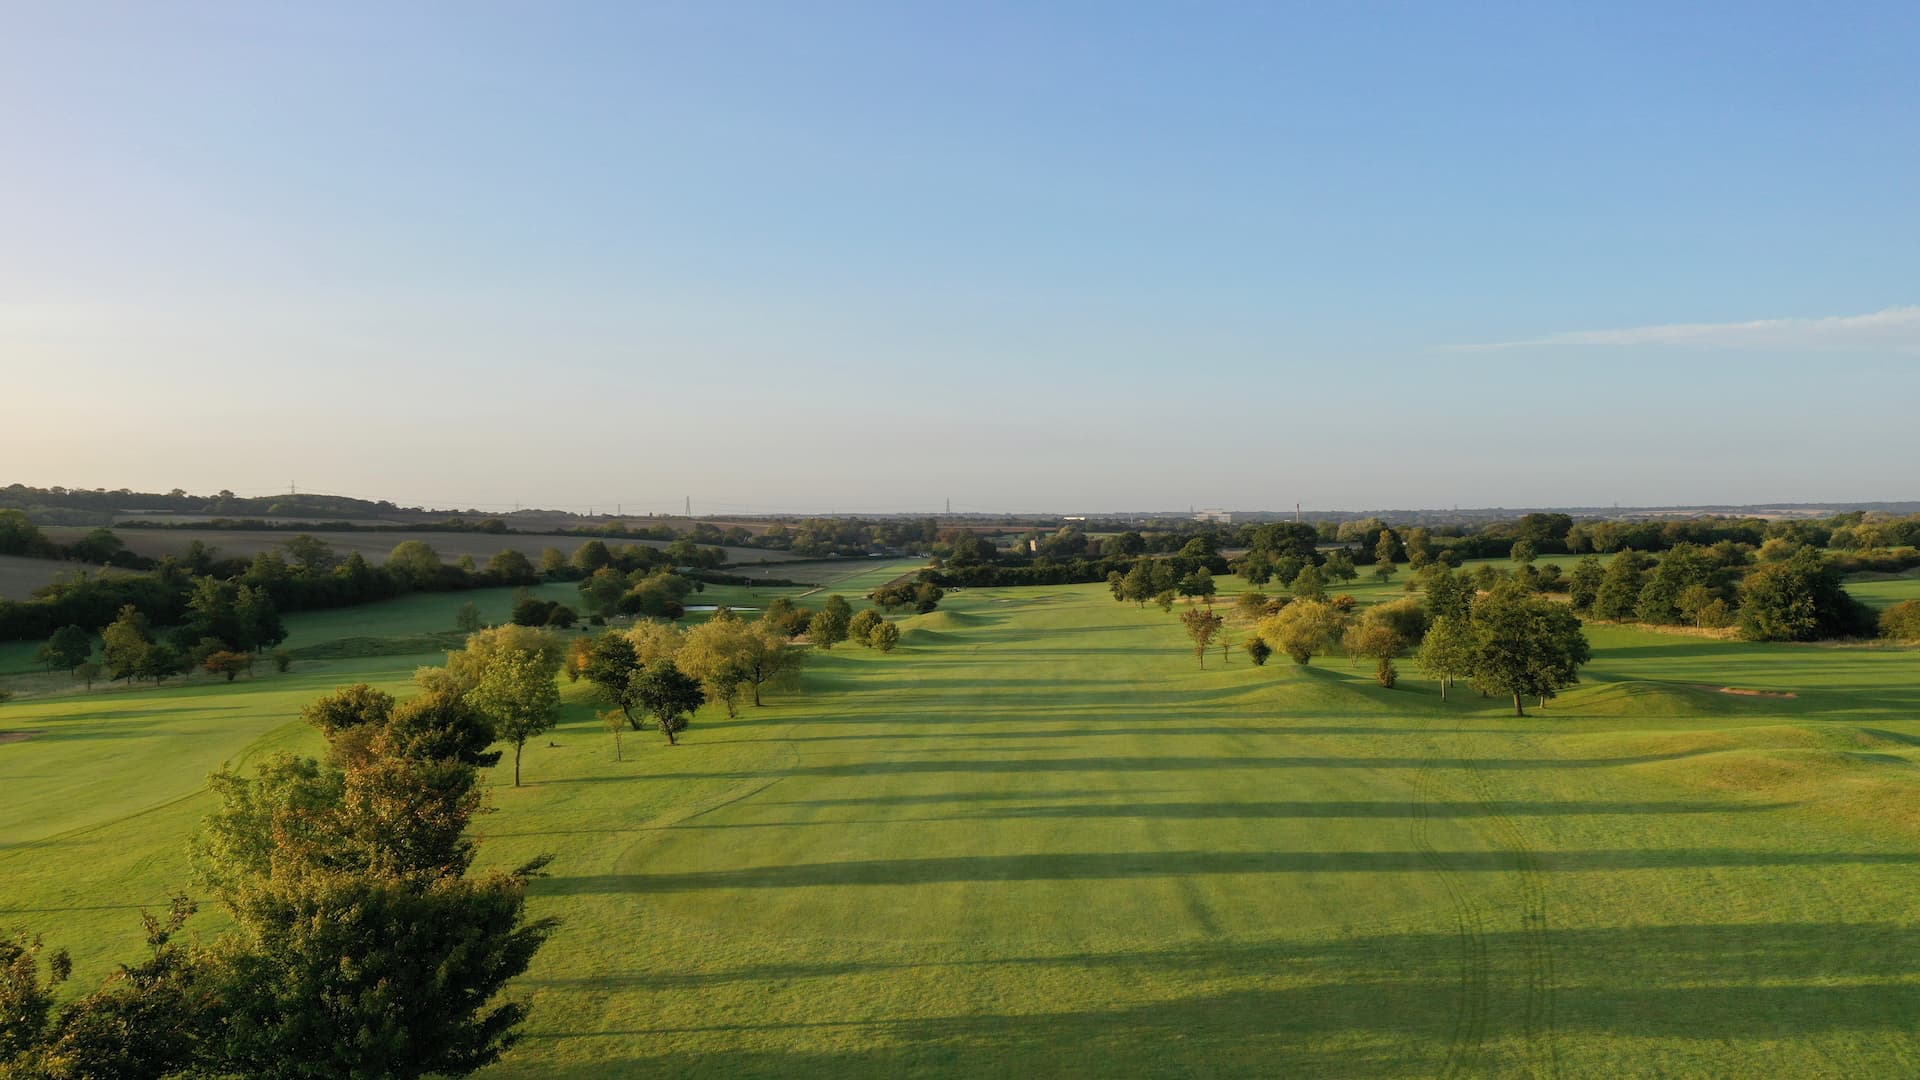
19, 576
374, 546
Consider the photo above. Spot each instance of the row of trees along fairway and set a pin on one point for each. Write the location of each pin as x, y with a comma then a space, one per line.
361, 944
1509, 641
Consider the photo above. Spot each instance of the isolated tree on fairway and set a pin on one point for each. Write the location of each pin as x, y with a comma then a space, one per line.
1117, 585
613, 667
68, 648
1448, 651
828, 627
1524, 552
616, 725
860, 627
1309, 584
1526, 646
928, 596
886, 636
1340, 566
1257, 650
227, 663
1302, 628
1384, 632
468, 620
1165, 598
1139, 583
87, 671
161, 662
517, 692
1201, 624
670, 696
715, 651
126, 641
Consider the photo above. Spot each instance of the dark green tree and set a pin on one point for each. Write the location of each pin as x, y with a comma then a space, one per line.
828, 627
1526, 646
670, 696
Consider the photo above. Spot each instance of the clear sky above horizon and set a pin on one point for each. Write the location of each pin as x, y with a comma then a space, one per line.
1073, 256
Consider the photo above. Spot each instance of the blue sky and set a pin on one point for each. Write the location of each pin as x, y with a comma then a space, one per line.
1048, 257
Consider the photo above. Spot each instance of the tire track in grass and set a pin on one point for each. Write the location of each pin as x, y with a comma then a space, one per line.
1470, 1018
1536, 933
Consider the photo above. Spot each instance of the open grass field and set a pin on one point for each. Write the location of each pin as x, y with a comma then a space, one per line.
1038, 840
374, 546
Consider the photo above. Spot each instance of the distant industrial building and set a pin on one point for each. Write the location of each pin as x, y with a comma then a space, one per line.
1218, 517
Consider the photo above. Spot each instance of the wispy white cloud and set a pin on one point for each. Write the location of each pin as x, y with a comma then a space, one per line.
1895, 328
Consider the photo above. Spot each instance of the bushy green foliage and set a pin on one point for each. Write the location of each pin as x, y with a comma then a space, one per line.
1901, 621
1798, 600
830, 625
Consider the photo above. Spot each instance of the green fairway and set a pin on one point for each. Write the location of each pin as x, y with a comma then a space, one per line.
1039, 840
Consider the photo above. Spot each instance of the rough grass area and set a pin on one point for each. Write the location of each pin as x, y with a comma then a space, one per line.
1039, 840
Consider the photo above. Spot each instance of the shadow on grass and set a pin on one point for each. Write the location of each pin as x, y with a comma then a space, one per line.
1152, 864
1379, 1004
1161, 763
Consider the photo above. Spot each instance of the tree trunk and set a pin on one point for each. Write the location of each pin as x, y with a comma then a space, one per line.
1518, 709
1443, 689
667, 726
516, 761
756, 694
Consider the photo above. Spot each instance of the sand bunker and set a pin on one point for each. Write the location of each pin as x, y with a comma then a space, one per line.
1742, 691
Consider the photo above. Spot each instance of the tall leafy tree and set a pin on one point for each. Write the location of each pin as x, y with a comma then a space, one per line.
1303, 628
1619, 593
860, 627
518, 694
613, 666
670, 696
828, 627
69, 647
1309, 584
1202, 624
1447, 651
1800, 599
1526, 646
1583, 585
